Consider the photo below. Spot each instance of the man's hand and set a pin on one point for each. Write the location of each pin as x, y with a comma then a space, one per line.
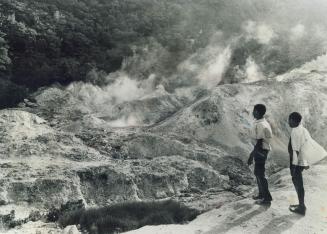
250, 160
306, 167
292, 169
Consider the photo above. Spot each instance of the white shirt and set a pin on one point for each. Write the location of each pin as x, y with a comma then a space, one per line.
262, 130
299, 136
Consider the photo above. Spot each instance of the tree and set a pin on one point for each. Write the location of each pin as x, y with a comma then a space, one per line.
5, 61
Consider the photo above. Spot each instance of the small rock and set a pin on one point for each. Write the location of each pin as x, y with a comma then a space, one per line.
35, 216
28, 103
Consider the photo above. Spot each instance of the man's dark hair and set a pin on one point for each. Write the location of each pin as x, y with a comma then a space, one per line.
297, 117
261, 109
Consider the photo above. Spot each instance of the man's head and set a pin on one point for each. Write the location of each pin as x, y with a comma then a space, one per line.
259, 111
294, 119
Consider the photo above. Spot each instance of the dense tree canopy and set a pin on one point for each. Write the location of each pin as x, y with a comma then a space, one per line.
61, 41
47, 41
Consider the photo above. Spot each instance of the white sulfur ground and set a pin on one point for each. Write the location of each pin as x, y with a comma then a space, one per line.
245, 217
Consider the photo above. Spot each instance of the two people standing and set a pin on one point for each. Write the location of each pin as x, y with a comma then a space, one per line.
300, 144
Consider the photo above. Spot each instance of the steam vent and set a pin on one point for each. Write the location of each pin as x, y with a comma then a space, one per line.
163, 117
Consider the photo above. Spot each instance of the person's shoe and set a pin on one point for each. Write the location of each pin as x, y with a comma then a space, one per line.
257, 197
263, 202
298, 209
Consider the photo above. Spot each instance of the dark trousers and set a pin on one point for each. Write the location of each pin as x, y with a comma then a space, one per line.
296, 173
259, 172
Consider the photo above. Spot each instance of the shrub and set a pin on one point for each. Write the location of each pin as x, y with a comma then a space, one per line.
128, 216
11, 94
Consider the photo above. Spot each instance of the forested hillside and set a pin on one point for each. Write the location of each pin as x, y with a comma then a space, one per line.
48, 41
61, 41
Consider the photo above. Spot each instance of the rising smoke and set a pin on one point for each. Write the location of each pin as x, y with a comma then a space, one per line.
255, 40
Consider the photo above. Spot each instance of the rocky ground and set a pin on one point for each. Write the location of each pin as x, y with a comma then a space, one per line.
245, 217
43, 167
56, 149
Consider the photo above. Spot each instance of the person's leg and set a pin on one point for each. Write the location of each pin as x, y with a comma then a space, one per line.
294, 179
263, 183
266, 193
297, 179
260, 196
299, 182
257, 173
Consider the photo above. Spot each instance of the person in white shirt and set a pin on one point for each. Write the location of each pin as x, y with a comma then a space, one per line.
262, 134
298, 163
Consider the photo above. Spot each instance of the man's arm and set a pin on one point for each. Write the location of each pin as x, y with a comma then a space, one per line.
259, 136
295, 157
296, 160
296, 145
262, 133
267, 133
